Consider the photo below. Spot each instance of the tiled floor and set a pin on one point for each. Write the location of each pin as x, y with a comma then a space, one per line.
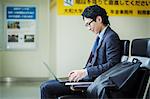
25, 90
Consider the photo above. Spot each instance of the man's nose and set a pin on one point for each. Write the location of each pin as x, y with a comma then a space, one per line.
89, 28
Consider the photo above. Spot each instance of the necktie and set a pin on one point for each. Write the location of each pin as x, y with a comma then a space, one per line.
95, 45
93, 52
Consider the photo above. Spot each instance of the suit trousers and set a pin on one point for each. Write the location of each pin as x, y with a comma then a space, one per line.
53, 89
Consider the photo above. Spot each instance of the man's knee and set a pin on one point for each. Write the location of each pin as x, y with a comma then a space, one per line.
45, 86
42, 87
49, 87
47, 90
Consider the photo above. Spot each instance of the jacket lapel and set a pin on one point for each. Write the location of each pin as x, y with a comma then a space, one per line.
92, 58
101, 41
99, 45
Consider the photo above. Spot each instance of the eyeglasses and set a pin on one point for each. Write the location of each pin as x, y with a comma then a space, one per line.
88, 24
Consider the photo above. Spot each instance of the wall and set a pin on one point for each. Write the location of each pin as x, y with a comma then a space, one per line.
131, 27
1, 27
0, 38
0, 66
148, 24
73, 40
28, 63
73, 44
52, 41
64, 43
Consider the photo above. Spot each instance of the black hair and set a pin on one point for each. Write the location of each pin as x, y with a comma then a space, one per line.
94, 11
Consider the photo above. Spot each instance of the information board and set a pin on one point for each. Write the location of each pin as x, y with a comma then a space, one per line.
20, 27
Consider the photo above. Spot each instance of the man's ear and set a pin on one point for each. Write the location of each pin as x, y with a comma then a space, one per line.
99, 19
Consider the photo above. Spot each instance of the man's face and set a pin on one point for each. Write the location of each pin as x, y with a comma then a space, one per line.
94, 26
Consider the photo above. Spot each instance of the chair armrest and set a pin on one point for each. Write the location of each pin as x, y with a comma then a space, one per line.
78, 86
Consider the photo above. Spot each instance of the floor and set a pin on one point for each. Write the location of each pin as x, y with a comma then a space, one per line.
20, 90
25, 90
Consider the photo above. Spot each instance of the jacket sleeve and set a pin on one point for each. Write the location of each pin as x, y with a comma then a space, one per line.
112, 55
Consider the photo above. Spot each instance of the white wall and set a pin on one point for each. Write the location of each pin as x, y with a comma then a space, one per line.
131, 27
52, 38
148, 24
64, 43
0, 38
73, 44
1, 28
0, 65
28, 63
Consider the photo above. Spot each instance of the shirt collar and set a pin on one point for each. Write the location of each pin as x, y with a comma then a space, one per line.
102, 32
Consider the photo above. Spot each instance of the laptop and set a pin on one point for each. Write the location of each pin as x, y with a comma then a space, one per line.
50, 71
66, 81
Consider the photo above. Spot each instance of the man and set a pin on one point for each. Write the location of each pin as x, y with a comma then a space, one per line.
104, 55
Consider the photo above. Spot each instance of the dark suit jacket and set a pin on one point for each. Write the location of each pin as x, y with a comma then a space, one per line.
108, 54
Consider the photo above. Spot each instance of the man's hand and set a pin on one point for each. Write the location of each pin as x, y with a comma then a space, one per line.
76, 75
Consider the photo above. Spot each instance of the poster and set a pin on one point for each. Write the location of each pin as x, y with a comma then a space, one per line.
138, 8
20, 27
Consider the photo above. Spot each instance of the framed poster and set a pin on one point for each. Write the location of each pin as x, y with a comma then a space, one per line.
20, 27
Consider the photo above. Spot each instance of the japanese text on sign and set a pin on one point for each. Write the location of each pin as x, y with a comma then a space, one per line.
21, 13
113, 7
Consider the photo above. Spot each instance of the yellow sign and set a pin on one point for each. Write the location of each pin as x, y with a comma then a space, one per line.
113, 7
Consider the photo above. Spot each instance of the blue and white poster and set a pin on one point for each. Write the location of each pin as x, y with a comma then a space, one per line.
21, 27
